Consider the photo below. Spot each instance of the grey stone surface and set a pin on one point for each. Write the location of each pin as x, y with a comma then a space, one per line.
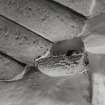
38, 89
54, 22
44, 17
97, 24
9, 68
97, 67
98, 89
85, 7
20, 43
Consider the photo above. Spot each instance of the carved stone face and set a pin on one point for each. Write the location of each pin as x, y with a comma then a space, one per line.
66, 58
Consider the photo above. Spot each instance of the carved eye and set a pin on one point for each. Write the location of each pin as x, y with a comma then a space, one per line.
67, 47
69, 52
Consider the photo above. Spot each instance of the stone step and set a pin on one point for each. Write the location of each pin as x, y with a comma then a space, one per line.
20, 43
9, 68
52, 21
88, 8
